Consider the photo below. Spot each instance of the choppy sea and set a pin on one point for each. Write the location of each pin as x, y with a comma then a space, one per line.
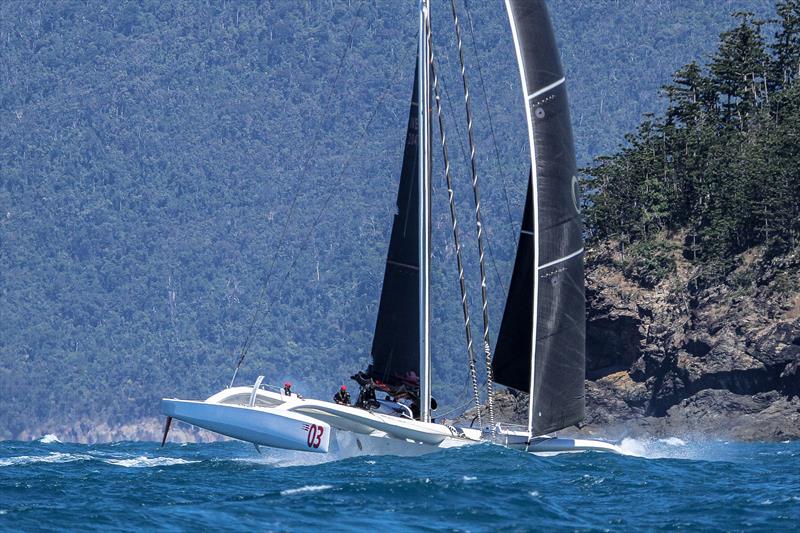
663, 485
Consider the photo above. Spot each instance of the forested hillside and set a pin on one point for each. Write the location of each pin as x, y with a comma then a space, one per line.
721, 164
159, 162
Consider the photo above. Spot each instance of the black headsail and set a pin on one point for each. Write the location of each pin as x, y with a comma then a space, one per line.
395, 346
549, 306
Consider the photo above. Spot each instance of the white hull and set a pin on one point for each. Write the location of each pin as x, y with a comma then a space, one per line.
272, 419
260, 426
519, 440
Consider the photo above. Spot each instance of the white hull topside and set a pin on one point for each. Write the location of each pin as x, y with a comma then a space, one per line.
273, 419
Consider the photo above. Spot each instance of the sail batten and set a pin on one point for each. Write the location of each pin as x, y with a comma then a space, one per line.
540, 347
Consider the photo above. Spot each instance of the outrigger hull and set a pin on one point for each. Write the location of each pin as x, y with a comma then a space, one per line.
262, 426
520, 440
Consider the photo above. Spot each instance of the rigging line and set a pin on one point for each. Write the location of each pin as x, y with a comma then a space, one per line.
309, 153
487, 346
491, 126
473, 371
497, 275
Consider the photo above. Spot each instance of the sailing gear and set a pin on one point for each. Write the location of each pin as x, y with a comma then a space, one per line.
367, 399
342, 397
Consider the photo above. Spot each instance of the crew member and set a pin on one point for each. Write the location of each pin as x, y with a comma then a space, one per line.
342, 397
287, 389
366, 398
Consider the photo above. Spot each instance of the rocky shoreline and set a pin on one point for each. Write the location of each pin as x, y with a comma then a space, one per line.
672, 360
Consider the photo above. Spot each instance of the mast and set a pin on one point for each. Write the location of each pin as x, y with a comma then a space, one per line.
424, 210
534, 213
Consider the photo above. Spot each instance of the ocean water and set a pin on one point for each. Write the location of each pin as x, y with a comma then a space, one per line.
665, 485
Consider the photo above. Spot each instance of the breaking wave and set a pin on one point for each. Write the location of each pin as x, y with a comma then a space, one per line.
49, 439
59, 457
148, 462
307, 488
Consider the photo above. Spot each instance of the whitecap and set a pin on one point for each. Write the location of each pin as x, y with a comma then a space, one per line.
54, 457
148, 462
469, 478
534, 493
49, 439
306, 488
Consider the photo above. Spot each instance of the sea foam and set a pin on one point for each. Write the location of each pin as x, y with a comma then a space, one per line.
148, 462
306, 488
54, 457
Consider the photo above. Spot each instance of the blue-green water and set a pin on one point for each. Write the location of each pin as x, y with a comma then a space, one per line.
228, 486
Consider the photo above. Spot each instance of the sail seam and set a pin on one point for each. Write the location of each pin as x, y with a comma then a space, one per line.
545, 89
404, 265
561, 259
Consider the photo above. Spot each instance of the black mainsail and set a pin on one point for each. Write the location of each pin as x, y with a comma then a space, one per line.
396, 344
541, 345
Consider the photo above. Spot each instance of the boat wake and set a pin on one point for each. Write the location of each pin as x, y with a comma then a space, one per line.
284, 458
677, 448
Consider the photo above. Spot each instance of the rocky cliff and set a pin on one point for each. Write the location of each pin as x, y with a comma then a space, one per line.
672, 357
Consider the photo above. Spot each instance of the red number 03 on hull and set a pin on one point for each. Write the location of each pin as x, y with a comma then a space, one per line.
315, 433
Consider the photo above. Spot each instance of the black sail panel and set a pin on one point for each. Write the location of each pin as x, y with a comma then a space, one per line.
395, 346
512, 363
556, 293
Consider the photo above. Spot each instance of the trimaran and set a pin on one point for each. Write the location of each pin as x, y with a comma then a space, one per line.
541, 342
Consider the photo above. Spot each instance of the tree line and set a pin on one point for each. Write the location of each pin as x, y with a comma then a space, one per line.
719, 165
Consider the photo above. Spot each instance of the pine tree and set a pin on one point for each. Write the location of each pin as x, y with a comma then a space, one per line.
740, 68
787, 43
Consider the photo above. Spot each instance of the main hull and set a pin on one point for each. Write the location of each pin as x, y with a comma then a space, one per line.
275, 420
